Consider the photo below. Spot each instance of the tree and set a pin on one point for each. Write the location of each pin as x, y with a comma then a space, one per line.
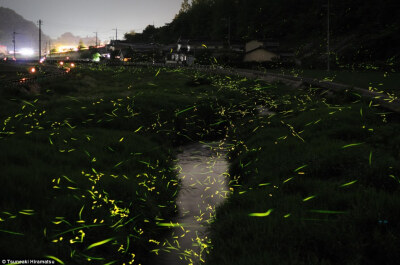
81, 45
185, 6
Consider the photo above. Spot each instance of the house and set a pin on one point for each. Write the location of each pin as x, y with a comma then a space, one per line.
183, 54
135, 51
257, 51
124, 55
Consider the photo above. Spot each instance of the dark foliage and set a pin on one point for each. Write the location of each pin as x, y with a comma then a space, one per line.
361, 31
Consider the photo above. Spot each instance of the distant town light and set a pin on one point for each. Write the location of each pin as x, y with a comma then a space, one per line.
61, 63
67, 48
33, 70
26, 51
72, 65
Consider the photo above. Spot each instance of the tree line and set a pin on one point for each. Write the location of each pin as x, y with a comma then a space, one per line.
371, 27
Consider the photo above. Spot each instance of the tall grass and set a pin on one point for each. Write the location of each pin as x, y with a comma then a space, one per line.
378, 81
88, 174
88, 164
316, 183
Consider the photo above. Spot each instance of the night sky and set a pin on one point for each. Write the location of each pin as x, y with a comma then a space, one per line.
83, 17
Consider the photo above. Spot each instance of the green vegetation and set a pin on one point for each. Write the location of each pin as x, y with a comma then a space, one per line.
361, 31
387, 82
88, 174
87, 165
12, 71
316, 183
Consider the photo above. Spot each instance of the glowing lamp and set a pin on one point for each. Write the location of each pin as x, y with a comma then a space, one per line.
26, 51
72, 65
32, 70
61, 63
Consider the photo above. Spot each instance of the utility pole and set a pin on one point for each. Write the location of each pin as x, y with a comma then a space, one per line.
49, 48
229, 32
40, 39
328, 37
116, 33
14, 33
228, 21
96, 38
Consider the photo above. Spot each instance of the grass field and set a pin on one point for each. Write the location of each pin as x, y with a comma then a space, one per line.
88, 175
317, 183
14, 71
388, 82
10, 70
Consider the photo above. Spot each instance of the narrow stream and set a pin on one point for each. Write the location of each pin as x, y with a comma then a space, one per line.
204, 184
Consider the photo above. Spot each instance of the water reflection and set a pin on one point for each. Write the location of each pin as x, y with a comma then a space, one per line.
204, 184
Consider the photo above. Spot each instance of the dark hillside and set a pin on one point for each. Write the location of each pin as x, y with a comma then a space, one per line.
28, 32
361, 31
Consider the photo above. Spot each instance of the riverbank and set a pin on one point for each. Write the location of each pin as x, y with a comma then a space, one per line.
315, 183
384, 82
88, 173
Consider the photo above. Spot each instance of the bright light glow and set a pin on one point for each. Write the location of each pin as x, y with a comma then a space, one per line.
72, 65
42, 60
33, 70
26, 51
67, 48
96, 57
61, 63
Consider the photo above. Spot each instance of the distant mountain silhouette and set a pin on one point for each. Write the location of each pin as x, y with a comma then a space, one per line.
28, 32
68, 38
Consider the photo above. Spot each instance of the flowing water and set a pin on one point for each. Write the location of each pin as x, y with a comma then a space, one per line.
204, 184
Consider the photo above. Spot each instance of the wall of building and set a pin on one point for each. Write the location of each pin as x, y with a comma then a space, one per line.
259, 55
251, 45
